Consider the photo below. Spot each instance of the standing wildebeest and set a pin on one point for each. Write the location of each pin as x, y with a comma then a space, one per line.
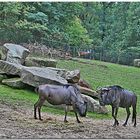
117, 96
57, 95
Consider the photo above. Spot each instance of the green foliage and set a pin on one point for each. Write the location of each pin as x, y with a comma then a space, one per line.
77, 34
110, 29
38, 17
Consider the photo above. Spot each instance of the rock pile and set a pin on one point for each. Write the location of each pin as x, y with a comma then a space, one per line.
24, 71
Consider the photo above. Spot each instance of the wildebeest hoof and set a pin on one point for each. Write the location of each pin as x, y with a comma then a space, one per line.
35, 117
124, 124
78, 121
41, 119
114, 125
65, 121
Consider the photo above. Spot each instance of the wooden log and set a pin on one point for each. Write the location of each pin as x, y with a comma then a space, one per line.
88, 91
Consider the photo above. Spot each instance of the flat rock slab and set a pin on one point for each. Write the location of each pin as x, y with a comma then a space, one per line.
2, 77
10, 68
14, 83
36, 76
40, 62
14, 53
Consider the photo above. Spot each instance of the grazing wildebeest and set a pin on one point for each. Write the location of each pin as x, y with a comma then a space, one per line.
117, 96
57, 95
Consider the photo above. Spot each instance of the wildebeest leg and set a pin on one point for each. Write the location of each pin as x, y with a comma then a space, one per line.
77, 117
76, 114
128, 114
116, 112
134, 104
134, 114
115, 116
66, 111
135, 120
35, 107
38, 105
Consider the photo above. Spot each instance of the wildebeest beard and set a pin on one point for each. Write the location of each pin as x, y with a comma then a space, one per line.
81, 108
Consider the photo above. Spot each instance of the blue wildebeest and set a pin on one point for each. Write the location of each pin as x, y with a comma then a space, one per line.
57, 95
117, 96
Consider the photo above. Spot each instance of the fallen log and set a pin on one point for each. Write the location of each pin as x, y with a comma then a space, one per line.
88, 91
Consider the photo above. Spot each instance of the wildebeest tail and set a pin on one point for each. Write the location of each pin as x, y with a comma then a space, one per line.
36, 89
134, 109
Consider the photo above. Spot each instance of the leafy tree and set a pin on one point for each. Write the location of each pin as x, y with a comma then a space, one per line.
110, 29
77, 34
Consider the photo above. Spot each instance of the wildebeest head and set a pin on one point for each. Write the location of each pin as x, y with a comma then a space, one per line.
80, 104
103, 95
81, 108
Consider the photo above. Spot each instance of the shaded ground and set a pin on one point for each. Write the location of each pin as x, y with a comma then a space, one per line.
17, 122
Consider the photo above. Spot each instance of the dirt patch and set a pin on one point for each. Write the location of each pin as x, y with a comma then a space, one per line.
18, 122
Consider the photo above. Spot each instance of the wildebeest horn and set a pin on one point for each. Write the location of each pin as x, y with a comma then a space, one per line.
98, 88
105, 88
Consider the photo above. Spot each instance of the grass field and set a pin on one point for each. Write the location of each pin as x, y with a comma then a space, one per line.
96, 73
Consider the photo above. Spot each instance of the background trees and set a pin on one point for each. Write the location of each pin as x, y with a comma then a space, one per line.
110, 29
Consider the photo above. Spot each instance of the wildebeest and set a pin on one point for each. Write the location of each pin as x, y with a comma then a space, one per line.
57, 95
116, 96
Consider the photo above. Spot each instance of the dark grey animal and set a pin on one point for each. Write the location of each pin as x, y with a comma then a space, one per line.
57, 95
117, 96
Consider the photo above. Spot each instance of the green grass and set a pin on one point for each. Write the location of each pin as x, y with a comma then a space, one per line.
97, 74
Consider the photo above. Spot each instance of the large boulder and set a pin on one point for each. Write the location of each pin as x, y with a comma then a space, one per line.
61, 72
10, 68
94, 105
14, 53
137, 62
40, 62
72, 76
14, 83
2, 72
36, 76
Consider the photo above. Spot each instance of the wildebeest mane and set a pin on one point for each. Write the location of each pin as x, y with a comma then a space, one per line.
66, 85
74, 86
116, 87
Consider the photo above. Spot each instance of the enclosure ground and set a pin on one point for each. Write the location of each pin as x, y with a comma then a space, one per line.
18, 122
